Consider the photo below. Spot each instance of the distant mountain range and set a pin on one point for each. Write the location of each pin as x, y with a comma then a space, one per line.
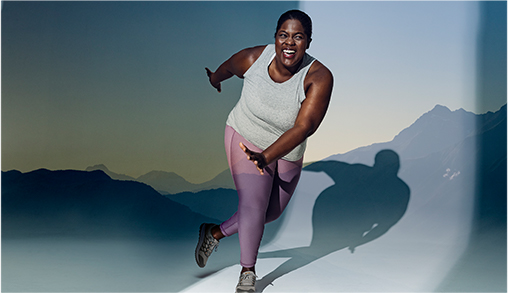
170, 182
439, 152
451, 153
434, 131
90, 204
214, 203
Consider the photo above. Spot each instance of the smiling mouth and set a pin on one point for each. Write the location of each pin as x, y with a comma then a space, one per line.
289, 53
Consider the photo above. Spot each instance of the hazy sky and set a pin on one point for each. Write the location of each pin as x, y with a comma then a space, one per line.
123, 83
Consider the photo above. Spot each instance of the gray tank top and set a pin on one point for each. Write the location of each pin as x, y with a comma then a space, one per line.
266, 109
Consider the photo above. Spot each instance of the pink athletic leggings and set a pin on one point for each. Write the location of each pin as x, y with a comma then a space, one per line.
262, 198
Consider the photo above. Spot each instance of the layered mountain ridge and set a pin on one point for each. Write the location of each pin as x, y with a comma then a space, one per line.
170, 182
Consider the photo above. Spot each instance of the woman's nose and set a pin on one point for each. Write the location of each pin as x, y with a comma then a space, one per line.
290, 41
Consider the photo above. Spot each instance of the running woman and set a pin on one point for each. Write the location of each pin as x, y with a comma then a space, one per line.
284, 98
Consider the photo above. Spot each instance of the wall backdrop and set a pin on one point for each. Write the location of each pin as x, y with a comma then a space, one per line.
112, 148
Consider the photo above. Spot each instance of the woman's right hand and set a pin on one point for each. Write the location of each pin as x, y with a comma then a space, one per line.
258, 159
210, 74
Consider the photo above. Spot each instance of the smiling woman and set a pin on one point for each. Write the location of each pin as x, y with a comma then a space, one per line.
285, 96
290, 45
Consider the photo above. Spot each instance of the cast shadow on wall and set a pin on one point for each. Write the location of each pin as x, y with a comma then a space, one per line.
362, 205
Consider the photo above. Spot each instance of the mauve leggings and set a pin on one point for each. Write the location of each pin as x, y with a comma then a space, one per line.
262, 198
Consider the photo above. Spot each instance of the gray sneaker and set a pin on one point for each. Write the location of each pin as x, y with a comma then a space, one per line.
206, 244
247, 282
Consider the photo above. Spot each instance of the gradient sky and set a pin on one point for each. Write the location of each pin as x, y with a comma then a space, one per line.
123, 83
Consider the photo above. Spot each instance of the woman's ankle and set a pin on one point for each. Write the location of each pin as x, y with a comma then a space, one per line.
252, 269
217, 233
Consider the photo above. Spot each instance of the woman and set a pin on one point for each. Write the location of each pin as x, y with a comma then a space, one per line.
285, 96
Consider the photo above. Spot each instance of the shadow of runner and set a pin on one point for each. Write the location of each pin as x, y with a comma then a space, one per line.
362, 205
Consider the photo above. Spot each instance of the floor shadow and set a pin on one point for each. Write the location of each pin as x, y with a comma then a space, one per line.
362, 205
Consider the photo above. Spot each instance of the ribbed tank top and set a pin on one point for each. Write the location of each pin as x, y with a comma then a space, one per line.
266, 109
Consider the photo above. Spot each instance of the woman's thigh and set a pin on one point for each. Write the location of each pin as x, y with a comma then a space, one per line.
284, 185
253, 188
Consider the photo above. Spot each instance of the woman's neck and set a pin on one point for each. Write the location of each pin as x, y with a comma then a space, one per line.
280, 73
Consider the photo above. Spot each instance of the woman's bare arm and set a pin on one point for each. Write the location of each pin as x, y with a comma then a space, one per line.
237, 65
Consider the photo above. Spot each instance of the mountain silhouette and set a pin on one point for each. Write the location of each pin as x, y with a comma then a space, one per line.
89, 204
434, 131
170, 182
166, 182
215, 203
222, 180
111, 174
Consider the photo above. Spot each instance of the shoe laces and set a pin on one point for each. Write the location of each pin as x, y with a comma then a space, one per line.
247, 279
209, 245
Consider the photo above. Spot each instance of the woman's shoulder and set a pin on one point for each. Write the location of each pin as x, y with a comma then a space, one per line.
244, 59
256, 49
318, 72
318, 82
252, 54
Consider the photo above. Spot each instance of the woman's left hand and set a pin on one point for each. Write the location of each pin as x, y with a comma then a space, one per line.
216, 85
257, 158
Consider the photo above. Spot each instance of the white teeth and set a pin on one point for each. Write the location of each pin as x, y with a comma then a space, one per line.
289, 51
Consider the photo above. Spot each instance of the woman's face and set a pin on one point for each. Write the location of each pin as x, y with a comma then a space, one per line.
291, 43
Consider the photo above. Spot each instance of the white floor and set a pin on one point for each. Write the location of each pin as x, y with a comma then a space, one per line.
414, 256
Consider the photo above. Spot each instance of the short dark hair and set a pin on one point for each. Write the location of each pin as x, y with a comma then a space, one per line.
300, 16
